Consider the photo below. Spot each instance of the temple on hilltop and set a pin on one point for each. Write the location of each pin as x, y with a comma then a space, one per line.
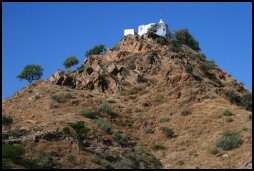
142, 29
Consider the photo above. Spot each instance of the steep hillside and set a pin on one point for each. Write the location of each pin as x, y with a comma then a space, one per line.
147, 103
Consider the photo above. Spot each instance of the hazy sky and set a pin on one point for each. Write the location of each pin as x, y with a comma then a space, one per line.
47, 33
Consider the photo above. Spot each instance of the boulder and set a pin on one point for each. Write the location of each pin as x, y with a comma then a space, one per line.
61, 78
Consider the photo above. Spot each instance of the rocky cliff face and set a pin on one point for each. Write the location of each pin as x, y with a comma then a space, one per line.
159, 98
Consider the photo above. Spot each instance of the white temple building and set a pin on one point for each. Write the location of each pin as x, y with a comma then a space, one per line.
142, 29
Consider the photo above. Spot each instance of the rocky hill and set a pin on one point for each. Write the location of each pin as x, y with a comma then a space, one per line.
145, 104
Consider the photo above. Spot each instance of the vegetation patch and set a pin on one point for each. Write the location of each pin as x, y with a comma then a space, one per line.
104, 125
184, 112
213, 150
90, 114
117, 137
11, 154
232, 96
161, 40
246, 101
174, 46
164, 119
62, 97
206, 67
149, 130
184, 37
167, 132
158, 147
105, 108
229, 119
52, 103
132, 66
226, 112
139, 159
229, 141
188, 68
96, 50
7, 120
76, 130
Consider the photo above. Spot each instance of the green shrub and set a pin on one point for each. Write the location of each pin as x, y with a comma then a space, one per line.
164, 119
154, 163
117, 137
79, 127
126, 163
62, 97
89, 114
174, 46
104, 125
229, 140
161, 40
31, 73
226, 112
141, 79
71, 159
246, 101
7, 120
245, 129
105, 108
97, 50
12, 152
205, 67
6, 164
167, 132
188, 68
103, 73
52, 103
45, 160
184, 112
231, 94
184, 37
151, 32
213, 150
158, 147
125, 72
132, 66
67, 131
229, 119
241, 83
149, 131
76, 130
96, 158
202, 55
139, 159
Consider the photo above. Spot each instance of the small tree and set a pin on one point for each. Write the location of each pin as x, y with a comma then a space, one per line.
31, 73
98, 49
151, 32
184, 37
69, 62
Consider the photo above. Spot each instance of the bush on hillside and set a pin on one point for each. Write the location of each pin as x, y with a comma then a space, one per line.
7, 120
229, 140
167, 132
184, 37
97, 50
90, 114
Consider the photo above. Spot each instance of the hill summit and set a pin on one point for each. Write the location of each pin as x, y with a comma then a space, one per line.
148, 102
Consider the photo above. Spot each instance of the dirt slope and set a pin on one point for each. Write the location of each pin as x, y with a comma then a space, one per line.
148, 86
